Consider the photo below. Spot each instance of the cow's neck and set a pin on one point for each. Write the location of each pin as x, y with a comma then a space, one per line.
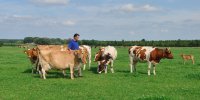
159, 55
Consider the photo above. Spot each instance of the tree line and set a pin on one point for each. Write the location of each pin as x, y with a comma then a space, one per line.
143, 42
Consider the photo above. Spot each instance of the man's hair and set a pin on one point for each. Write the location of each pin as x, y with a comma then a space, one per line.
75, 35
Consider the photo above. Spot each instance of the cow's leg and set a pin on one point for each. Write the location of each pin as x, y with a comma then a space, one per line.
111, 66
89, 62
63, 71
37, 66
84, 65
134, 65
149, 68
32, 69
40, 71
131, 64
71, 72
193, 61
98, 66
79, 71
43, 73
154, 69
106, 69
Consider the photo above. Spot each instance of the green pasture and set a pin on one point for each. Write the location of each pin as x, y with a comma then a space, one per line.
174, 81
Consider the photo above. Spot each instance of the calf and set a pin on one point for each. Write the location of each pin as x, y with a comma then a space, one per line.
105, 56
187, 57
33, 56
152, 55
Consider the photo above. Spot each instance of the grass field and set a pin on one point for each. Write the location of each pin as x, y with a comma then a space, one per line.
174, 81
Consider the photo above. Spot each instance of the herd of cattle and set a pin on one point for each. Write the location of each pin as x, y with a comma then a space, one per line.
46, 57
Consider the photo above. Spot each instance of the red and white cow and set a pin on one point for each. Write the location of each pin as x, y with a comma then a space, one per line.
105, 56
87, 53
152, 55
33, 56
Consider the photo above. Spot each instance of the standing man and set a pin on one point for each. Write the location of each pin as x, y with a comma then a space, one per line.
73, 44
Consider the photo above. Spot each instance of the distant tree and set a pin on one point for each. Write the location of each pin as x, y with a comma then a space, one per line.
1, 44
43, 41
28, 40
143, 40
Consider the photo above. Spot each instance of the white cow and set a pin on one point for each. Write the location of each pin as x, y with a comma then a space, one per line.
106, 55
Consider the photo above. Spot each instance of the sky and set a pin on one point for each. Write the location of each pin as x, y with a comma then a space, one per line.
101, 19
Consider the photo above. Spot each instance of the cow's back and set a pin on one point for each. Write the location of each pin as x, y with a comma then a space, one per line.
111, 50
88, 49
141, 53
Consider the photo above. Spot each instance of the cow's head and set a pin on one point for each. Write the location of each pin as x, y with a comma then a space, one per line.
168, 54
85, 54
98, 55
104, 63
31, 52
101, 67
80, 55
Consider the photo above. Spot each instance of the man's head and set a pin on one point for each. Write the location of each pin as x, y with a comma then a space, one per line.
76, 36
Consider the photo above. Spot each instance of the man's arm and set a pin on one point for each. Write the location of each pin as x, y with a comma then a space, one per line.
70, 45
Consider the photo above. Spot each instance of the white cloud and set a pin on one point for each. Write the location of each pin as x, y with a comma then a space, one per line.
132, 8
51, 2
164, 30
69, 23
148, 7
128, 8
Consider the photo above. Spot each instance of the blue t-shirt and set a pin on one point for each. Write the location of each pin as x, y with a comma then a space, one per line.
73, 45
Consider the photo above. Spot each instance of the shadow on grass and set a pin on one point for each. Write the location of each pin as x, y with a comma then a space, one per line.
93, 70
122, 71
154, 98
50, 74
27, 71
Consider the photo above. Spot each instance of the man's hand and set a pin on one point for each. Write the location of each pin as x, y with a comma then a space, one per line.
69, 51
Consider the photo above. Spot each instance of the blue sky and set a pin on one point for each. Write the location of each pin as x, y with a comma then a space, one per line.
101, 19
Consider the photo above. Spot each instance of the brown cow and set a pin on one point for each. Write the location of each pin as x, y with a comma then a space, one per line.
32, 55
187, 57
50, 58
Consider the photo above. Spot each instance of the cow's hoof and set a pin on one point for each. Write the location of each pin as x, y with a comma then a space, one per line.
80, 75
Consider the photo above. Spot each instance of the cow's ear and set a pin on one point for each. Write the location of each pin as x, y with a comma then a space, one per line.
75, 52
109, 55
166, 49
